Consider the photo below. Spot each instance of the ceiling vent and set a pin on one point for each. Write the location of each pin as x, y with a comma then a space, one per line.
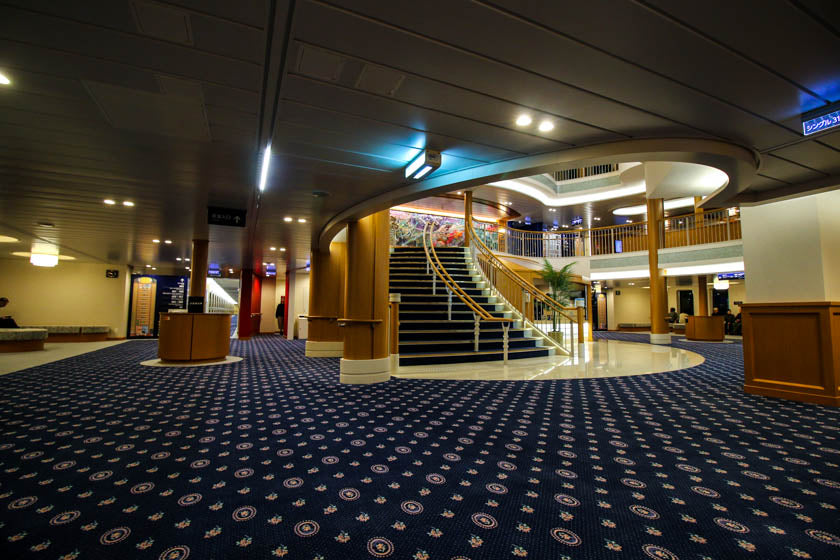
152, 113
162, 22
379, 80
684, 280
319, 64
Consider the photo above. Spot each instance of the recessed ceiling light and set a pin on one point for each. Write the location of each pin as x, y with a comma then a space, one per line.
188, 260
168, 241
287, 219
546, 126
230, 270
109, 201
629, 221
8, 239
459, 192
301, 220
154, 268
46, 224
597, 219
265, 264
273, 248
4, 80
148, 266
155, 240
523, 120
127, 203
282, 248
178, 259
187, 268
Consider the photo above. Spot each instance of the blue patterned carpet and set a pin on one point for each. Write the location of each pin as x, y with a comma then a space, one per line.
271, 458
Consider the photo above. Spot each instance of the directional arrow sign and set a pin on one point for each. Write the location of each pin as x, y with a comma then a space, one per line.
219, 216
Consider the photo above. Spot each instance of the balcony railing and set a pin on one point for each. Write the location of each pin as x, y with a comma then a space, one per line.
713, 226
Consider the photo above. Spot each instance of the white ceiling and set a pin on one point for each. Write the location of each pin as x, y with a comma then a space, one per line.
167, 103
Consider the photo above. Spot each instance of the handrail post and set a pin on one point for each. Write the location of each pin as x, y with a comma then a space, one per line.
505, 328
476, 330
449, 303
434, 285
727, 223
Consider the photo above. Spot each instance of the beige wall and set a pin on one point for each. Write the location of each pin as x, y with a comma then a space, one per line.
69, 294
792, 249
268, 306
632, 306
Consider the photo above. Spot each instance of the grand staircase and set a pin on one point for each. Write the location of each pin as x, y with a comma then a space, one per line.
427, 336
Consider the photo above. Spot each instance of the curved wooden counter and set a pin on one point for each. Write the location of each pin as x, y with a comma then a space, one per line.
708, 328
193, 337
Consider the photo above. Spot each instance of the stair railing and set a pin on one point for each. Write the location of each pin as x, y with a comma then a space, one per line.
550, 319
434, 264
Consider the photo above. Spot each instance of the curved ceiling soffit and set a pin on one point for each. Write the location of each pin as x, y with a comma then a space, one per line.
739, 163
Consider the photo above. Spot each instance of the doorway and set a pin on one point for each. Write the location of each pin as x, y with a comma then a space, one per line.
685, 302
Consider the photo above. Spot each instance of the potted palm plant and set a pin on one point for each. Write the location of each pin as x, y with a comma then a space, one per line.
559, 282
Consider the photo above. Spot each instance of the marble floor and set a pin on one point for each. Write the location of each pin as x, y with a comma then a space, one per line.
53, 351
603, 358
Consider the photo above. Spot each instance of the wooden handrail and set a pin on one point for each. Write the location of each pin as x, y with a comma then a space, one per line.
453, 286
513, 275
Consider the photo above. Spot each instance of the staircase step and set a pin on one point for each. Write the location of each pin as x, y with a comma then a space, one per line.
456, 334
433, 346
443, 325
466, 357
427, 290
410, 316
457, 306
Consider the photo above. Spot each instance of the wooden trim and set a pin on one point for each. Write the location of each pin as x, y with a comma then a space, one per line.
792, 350
21, 345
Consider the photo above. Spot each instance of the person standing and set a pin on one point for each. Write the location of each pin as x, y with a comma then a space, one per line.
280, 315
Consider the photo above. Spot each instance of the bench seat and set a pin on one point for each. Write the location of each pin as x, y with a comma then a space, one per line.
75, 333
22, 340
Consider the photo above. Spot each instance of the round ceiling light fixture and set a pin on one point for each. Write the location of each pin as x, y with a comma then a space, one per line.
523, 120
546, 126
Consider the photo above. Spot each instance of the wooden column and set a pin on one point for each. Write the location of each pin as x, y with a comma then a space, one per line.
366, 354
589, 314
659, 333
702, 296
467, 216
198, 268
326, 301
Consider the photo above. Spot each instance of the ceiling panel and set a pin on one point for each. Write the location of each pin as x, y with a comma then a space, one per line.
774, 33
785, 170
814, 155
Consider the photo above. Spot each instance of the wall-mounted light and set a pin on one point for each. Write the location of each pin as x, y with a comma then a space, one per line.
426, 162
266, 162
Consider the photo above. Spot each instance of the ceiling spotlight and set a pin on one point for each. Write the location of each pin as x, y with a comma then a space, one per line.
8, 239
629, 221
128, 203
155, 240
168, 241
546, 126
4, 80
178, 259
597, 219
282, 249
459, 192
186, 268
523, 120
287, 219
109, 201
426, 162
230, 270
188, 260
273, 248
154, 268
301, 220
148, 266
265, 264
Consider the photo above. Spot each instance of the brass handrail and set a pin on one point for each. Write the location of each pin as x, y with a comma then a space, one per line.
442, 273
513, 275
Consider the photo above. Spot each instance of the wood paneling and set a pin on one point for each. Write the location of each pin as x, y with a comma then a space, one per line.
705, 328
21, 345
193, 337
792, 350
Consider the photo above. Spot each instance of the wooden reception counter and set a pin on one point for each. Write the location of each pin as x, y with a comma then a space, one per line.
193, 337
705, 328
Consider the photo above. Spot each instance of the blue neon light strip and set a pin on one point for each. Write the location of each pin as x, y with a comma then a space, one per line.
823, 122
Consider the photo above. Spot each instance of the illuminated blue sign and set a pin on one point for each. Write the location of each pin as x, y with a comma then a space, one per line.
577, 220
821, 119
731, 276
